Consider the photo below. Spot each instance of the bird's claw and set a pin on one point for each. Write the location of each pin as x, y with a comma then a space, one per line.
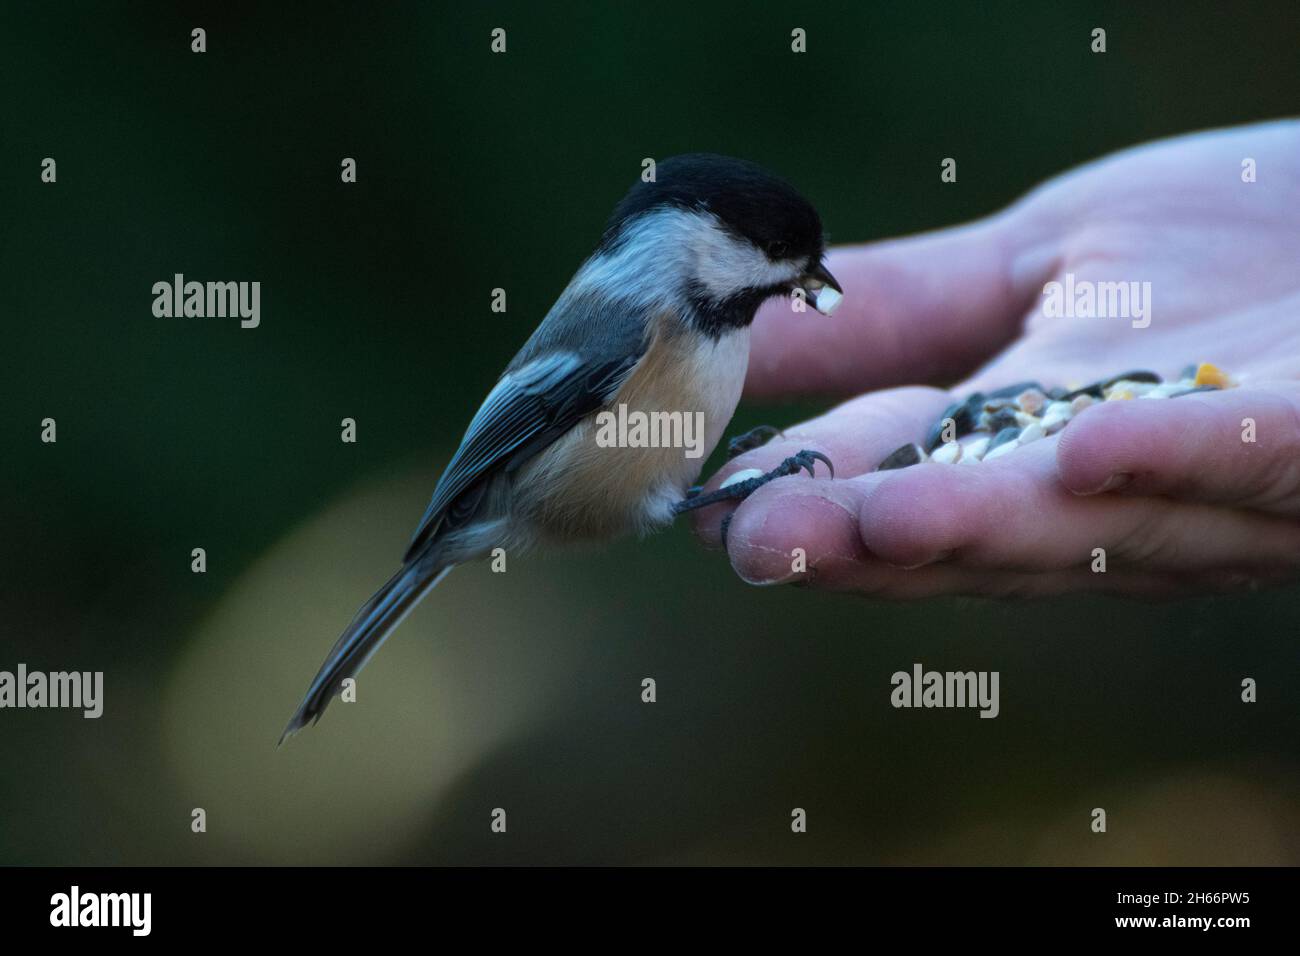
808, 459
740, 490
754, 438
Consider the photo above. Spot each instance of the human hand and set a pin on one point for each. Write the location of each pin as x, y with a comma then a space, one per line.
1169, 489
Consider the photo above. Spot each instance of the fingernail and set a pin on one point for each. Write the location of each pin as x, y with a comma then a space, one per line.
763, 537
762, 567
1115, 482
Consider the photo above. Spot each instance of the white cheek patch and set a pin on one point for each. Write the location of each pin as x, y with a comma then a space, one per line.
726, 265
664, 249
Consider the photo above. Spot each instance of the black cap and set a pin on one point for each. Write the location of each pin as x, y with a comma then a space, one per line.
749, 201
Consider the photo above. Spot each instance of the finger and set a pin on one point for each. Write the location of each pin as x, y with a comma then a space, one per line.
924, 308
811, 537
855, 436
1014, 514
1238, 447
1010, 514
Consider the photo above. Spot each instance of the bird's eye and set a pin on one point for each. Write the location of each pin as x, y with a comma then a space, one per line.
777, 249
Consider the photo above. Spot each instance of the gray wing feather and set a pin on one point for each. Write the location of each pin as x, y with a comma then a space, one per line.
530, 407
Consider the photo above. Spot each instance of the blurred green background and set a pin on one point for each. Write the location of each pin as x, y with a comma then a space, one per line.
521, 690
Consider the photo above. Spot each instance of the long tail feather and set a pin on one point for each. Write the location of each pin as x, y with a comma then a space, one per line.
372, 624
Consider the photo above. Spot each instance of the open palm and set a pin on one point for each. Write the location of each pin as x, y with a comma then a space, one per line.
1169, 490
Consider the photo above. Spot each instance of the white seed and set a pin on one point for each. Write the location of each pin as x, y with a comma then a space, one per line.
1031, 432
1126, 389
1002, 449
1080, 403
743, 475
1025, 420
974, 450
1054, 421
949, 453
828, 300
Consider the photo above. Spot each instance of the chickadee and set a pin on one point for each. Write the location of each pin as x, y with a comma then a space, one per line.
657, 319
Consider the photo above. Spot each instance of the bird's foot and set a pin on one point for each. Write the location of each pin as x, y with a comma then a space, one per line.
754, 438
744, 483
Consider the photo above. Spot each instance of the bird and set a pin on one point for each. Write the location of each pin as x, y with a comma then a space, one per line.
656, 319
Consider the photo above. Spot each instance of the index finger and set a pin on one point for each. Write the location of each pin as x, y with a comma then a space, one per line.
922, 309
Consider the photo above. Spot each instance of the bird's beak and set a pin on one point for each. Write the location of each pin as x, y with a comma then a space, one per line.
823, 291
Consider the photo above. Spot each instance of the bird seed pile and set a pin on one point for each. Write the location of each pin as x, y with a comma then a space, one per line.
989, 425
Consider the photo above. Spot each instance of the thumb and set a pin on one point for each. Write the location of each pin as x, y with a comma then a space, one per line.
927, 308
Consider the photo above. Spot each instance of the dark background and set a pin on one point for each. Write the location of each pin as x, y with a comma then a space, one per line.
522, 690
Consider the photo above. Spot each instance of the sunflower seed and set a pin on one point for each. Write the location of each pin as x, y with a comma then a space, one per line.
1139, 376
961, 416
999, 420
901, 457
1003, 437
1011, 391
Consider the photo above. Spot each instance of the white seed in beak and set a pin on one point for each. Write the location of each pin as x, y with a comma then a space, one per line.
826, 300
